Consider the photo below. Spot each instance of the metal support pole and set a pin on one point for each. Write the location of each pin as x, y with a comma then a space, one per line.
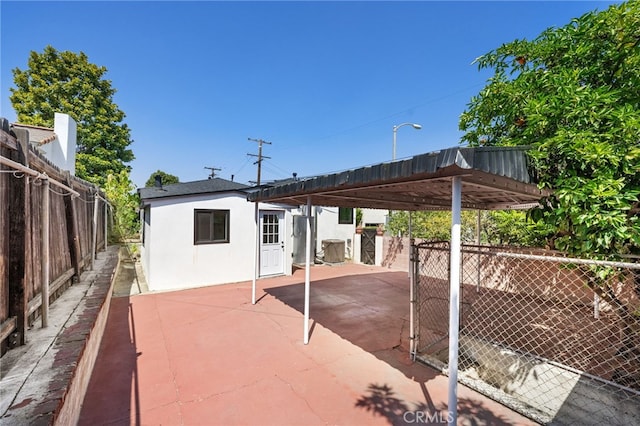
256, 218
412, 301
46, 215
410, 224
454, 298
17, 166
307, 273
410, 238
393, 153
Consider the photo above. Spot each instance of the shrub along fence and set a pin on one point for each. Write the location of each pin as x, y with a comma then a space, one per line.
52, 224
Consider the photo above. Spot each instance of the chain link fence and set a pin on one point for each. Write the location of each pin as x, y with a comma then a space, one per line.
555, 338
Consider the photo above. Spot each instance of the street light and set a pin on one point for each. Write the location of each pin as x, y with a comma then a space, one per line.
395, 131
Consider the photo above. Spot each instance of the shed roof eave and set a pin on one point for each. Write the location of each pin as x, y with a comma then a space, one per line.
147, 200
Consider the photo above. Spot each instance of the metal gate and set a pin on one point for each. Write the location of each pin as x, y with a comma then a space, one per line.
368, 246
431, 289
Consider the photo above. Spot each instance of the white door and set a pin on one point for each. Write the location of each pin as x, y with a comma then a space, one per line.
271, 243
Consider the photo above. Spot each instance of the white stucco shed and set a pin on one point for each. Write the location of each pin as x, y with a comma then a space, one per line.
203, 233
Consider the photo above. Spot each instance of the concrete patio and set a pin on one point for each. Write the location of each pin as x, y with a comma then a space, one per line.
208, 356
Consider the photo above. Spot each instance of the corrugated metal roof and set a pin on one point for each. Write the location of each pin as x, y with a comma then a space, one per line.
493, 177
191, 188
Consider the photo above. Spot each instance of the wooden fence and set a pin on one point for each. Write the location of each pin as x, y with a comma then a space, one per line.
75, 219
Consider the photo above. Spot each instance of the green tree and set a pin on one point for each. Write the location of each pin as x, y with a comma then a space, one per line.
121, 194
433, 225
573, 95
512, 228
167, 179
359, 215
67, 82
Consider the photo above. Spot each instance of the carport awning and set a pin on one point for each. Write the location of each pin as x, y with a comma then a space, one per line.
455, 178
492, 178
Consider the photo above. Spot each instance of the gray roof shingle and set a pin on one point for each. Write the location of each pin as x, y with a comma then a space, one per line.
206, 186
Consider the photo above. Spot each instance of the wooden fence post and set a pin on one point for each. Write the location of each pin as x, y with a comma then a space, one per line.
46, 249
94, 244
72, 229
19, 207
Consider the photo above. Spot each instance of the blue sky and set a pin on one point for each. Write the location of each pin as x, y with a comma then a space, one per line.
324, 82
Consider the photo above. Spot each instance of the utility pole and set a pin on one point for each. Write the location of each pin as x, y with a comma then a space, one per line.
260, 156
213, 171
258, 235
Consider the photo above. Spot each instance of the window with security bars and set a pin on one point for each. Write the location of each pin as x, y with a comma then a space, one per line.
270, 229
211, 226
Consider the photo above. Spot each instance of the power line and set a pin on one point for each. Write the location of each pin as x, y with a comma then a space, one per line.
398, 113
242, 167
276, 169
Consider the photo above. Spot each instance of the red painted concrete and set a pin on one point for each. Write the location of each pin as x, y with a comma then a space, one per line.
208, 357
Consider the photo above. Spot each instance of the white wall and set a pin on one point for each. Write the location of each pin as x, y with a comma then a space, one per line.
173, 261
374, 216
145, 247
62, 150
328, 228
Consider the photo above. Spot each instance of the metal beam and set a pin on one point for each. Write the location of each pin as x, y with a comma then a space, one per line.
393, 204
17, 166
505, 184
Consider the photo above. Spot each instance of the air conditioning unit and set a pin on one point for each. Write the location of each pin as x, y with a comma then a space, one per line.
333, 251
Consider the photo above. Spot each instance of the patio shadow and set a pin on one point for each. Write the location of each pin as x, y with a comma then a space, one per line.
382, 401
369, 310
115, 389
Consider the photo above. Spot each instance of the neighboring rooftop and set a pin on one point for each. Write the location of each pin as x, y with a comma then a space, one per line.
38, 135
191, 188
58, 145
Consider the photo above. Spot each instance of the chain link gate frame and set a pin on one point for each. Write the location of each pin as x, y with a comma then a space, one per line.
533, 335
